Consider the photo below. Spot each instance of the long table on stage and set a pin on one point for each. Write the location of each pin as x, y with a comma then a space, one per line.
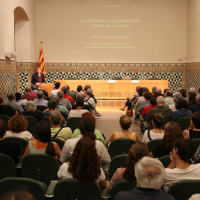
110, 94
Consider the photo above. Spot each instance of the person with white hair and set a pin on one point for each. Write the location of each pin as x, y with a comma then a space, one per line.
62, 101
192, 90
165, 111
176, 97
158, 92
150, 175
196, 107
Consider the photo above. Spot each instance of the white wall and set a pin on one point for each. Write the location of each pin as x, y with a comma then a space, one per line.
193, 31
25, 37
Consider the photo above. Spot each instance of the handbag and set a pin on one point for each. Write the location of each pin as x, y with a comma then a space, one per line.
129, 112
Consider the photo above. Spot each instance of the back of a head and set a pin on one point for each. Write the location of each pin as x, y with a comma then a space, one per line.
192, 98
55, 117
55, 98
79, 102
140, 91
183, 92
39, 86
34, 87
67, 87
64, 89
88, 114
125, 122
137, 152
172, 132
144, 90
160, 100
165, 90
57, 85
86, 87
11, 96
60, 94
192, 90
2, 128
87, 127
30, 106
28, 89
181, 103
81, 95
153, 101
43, 131
169, 93
18, 96
79, 88
147, 95
17, 124
186, 148
89, 91
177, 95
18, 195
158, 90
196, 119
150, 173
40, 94
157, 118
154, 89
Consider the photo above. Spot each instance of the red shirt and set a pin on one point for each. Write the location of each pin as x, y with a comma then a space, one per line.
69, 98
147, 109
29, 97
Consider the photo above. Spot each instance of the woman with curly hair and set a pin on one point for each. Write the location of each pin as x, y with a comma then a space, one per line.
137, 152
84, 164
172, 132
17, 128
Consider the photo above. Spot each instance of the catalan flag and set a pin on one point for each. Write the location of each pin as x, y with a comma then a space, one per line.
42, 67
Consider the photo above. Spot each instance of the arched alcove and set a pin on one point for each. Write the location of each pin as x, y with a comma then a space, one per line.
20, 14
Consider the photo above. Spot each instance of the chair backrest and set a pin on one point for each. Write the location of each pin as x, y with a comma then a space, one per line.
40, 167
122, 185
32, 122
22, 142
72, 189
184, 123
5, 118
120, 146
40, 113
153, 144
165, 160
196, 142
184, 189
117, 162
41, 108
73, 123
46, 119
36, 188
7, 166
59, 142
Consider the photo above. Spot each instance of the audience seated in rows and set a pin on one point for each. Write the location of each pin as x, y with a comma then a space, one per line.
182, 109
11, 149
136, 153
62, 101
184, 94
147, 96
192, 99
66, 96
57, 86
30, 109
40, 101
39, 88
84, 164
150, 175
165, 111
87, 128
11, 102
17, 126
176, 97
158, 93
62, 133
34, 89
18, 194
98, 134
157, 132
28, 95
172, 132
125, 123
168, 98
6, 109
82, 96
79, 109
43, 144
194, 129
196, 107
148, 108
19, 99
180, 169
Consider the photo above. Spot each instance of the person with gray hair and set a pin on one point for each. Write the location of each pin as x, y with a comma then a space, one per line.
165, 111
150, 175
62, 101
82, 96
158, 92
30, 109
57, 131
66, 96
40, 101
11, 102
154, 90
192, 90
196, 107
176, 97
89, 98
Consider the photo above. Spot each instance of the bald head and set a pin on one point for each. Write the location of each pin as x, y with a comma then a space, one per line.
28, 89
